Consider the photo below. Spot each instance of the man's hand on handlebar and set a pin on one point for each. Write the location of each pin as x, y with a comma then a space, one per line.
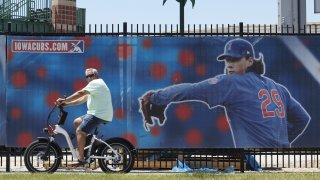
61, 102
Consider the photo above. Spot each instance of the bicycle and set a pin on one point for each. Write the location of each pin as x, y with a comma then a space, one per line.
44, 155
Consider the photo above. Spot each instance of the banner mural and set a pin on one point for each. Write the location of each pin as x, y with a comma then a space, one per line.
171, 92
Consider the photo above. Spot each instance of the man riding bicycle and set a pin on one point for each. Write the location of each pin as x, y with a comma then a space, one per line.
99, 104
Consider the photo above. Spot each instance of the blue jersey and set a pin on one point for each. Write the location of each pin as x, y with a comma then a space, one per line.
261, 113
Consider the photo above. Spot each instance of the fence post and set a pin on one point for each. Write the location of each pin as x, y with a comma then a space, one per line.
242, 154
9, 27
241, 29
125, 29
7, 159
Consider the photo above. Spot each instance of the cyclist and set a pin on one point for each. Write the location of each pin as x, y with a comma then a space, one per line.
99, 104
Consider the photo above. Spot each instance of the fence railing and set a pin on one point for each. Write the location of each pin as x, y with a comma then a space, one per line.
126, 29
11, 159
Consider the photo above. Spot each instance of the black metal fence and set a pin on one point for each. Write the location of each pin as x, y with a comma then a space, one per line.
11, 159
126, 29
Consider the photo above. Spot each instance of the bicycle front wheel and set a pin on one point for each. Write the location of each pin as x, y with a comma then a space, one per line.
36, 160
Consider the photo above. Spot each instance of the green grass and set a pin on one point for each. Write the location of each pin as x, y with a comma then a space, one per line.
162, 176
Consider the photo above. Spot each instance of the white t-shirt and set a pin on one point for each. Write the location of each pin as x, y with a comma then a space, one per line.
99, 100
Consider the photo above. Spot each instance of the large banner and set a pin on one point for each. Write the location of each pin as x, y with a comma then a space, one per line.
202, 92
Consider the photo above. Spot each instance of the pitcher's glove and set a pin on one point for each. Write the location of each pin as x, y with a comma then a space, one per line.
150, 110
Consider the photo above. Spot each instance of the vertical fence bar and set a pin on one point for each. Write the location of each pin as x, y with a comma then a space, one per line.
177, 28
143, 29
293, 31
270, 29
9, 27
112, 29
8, 159
217, 28
125, 29
194, 30
205, 29
165, 28
242, 154
228, 30
137, 30
222, 28
118, 29
241, 29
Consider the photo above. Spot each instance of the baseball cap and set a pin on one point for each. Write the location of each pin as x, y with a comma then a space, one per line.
237, 48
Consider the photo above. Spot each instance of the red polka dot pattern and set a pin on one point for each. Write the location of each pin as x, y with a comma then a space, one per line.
41, 72
131, 138
124, 51
146, 43
119, 113
222, 123
79, 84
52, 97
24, 139
176, 78
93, 62
201, 70
183, 112
186, 58
16, 113
155, 131
158, 71
193, 137
19, 79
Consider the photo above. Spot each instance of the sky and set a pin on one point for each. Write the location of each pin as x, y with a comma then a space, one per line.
204, 12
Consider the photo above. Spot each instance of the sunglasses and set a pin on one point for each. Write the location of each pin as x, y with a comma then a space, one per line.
89, 75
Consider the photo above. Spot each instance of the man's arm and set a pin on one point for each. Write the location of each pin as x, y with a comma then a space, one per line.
76, 98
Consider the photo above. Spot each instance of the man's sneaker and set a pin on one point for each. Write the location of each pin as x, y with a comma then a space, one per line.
80, 163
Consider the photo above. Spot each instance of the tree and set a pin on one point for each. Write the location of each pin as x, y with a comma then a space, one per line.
182, 4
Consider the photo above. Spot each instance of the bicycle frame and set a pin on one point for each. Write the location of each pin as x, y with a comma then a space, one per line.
59, 130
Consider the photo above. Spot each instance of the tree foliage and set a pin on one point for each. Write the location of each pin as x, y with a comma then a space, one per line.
182, 1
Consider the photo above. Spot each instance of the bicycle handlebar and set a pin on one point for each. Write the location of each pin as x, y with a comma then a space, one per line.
61, 117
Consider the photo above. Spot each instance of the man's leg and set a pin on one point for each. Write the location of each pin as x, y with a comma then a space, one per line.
81, 138
84, 125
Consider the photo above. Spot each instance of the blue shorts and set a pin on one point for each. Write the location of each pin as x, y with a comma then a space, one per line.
90, 122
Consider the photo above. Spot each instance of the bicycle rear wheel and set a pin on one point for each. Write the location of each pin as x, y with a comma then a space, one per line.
35, 160
125, 161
